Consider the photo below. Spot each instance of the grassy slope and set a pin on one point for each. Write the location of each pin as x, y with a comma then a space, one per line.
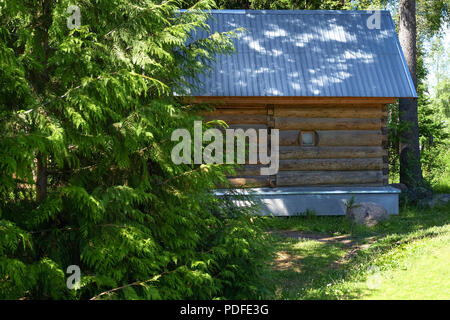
403, 258
422, 272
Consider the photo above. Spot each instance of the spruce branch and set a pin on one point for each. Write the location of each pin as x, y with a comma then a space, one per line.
136, 283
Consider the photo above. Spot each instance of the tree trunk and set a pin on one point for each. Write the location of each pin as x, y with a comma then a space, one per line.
410, 167
40, 80
42, 177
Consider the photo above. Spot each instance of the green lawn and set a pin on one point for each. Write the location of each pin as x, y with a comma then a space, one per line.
423, 272
407, 257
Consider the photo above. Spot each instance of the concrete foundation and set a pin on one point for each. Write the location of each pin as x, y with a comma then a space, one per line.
293, 201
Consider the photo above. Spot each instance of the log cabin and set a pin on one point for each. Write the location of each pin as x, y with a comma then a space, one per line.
324, 80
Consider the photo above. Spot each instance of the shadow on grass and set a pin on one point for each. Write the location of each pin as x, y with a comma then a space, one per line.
308, 268
300, 264
409, 220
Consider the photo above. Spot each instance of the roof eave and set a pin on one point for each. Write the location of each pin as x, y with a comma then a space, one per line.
289, 99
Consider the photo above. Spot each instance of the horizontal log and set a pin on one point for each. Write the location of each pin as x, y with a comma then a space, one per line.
236, 111
299, 152
325, 137
329, 105
331, 164
240, 105
315, 164
327, 112
256, 181
238, 118
326, 124
349, 138
249, 170
289, 137
248, 126
310, 178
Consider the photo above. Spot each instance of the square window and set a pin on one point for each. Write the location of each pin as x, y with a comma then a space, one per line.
307, 138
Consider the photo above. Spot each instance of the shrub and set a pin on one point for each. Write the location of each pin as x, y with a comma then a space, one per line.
85, 171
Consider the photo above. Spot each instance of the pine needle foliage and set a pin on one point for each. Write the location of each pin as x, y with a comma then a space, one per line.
86, 177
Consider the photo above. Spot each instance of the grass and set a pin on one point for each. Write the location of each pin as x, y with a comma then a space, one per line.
442, 185
406, 257
422, 272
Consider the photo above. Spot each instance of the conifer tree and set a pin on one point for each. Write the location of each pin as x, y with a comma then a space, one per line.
86, 114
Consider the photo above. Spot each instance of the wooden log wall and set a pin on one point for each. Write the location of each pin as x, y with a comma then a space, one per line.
350, 142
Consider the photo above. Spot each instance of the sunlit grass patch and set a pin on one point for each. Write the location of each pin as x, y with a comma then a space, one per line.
414, 267
422, 272
299, 264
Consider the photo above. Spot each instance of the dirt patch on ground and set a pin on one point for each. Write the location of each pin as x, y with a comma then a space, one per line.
286, 261
321, 237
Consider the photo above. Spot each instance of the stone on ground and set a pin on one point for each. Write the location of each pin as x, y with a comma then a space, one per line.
367, 213
435, 200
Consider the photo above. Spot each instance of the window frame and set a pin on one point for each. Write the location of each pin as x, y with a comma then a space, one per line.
313, 133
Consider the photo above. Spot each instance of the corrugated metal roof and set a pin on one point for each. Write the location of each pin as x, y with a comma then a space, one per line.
307, 53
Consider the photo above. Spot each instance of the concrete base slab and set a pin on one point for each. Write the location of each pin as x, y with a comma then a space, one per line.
293, 201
